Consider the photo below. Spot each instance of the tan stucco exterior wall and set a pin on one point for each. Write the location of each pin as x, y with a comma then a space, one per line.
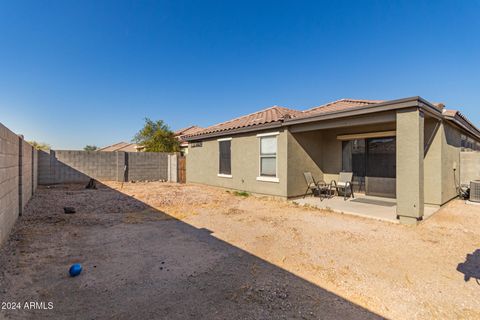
441, 158
451, 147
332, 154
304, 154
410, 165
203, 164
433, 134
469, 166
427, 152
319, 152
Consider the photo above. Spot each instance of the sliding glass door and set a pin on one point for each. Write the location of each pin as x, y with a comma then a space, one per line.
353, 157
373, 163
381, 167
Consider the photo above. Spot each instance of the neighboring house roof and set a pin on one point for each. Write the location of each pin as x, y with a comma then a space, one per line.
279, 116
188, 130
121, 146
269, 115
180, 134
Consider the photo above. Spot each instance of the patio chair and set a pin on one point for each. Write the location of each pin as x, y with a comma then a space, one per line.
344, 184
311, 184
316, 186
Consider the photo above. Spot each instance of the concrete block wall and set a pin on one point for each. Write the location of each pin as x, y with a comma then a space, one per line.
17, 178
28, 173
45, 175
35, 170
65, 166
147, 166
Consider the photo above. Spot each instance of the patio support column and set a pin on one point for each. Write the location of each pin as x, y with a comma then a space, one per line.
410, 154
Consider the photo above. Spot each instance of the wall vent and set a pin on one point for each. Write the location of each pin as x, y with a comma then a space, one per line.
475, 191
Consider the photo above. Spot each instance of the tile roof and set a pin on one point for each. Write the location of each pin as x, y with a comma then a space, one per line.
339, 105
121, 146
453, 114
188, 130
180, 134
279, 114
269, 115
450, 113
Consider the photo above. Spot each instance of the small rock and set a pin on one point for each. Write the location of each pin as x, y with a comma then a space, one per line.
69, 210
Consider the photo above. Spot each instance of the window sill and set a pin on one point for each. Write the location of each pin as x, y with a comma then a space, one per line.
224, 175
268, 179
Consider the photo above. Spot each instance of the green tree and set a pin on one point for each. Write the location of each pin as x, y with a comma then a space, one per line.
90, 148
156, 136
40, 145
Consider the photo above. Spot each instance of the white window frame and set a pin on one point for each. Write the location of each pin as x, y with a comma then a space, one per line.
221, 175
267, 178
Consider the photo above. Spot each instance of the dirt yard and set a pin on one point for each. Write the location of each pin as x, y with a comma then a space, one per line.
158, 250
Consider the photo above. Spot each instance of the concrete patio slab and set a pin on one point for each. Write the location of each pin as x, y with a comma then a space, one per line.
379, 208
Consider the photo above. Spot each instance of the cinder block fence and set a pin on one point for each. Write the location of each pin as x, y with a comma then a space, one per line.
18, 178
22, 168
66, 166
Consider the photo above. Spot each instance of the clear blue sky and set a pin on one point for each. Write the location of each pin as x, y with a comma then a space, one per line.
87, 72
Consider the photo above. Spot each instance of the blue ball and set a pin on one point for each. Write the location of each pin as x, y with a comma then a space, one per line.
75, 269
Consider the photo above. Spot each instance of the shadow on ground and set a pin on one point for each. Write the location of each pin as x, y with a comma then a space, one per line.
142, 263
471, 267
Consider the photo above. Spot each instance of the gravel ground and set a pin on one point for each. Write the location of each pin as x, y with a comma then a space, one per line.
159, 250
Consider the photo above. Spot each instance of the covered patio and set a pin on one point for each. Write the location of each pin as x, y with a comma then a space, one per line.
385, 151
373, 207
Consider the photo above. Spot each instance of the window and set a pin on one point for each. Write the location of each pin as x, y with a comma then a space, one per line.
225, 160
268, 156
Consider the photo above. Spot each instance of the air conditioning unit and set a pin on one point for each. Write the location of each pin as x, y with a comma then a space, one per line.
475, 191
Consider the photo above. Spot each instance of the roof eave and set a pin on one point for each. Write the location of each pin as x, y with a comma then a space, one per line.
377, 107
465, 125
265, 126
416, 102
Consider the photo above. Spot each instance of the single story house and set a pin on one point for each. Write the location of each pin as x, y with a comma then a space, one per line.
408, 149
